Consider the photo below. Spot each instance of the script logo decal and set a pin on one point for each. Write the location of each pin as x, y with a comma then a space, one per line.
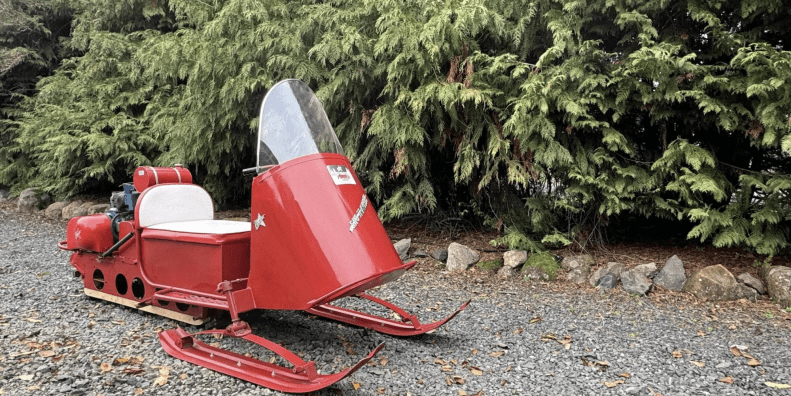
357, 216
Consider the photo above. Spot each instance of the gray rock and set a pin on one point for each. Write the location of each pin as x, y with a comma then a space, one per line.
611, 268
55, 210
28, 201
716, 283
73, 210
507, 272
98, 208
778, 281
571, 262
579, 274
402, 248
420, 253
635, 282
514, 258
461, 257
4, 194
647, 270
749, 280
608, 281
440, 254
672, 276
534, 273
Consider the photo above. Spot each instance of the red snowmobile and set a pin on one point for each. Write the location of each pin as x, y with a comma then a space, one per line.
313, 238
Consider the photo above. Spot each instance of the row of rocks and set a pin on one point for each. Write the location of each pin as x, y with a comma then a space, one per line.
30, 200
714, 283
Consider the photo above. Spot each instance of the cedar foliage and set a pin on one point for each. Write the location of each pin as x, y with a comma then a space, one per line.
551, 119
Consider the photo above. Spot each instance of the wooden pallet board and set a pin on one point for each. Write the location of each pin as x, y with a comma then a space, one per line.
146, 308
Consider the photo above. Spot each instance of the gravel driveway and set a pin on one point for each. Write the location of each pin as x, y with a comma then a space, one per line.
515, 338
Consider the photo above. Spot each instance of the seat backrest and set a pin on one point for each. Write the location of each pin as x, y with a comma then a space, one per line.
169, 203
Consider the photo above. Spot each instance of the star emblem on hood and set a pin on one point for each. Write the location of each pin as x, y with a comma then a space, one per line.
259, 221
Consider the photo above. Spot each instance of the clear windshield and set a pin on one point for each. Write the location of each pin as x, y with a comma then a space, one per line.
293, 124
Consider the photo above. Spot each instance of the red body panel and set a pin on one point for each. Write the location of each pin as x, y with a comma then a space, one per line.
91, 233
304, 253
147, 176
196, 262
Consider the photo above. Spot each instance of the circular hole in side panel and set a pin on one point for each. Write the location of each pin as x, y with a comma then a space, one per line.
121, 286
182, 307
98, 279
163, 303
138, 288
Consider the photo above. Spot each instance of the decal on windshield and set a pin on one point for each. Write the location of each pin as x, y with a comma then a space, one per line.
340, 174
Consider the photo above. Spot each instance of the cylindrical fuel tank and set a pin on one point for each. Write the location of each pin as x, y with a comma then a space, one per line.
91, 233
315, 235
147, 176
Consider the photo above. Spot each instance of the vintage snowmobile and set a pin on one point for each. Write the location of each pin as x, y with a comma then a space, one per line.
313, 238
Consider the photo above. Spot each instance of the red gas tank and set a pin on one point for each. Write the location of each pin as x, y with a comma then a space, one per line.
147, 176
315, 235
91, 233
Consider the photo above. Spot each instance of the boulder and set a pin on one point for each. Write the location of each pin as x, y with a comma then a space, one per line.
635, 282
507, 272
672, 276
28, 201
611, 268
98, 208
571, 262
55, 210
420, 253
461, 257
4, 194
440, 254
647, 270
402, 248
607, 281
579, 274
778, 281
534, 273
72, 210
514, 258
546, 264
749, 280
716, 283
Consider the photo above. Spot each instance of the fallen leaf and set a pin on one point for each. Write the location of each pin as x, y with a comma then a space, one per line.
624, 375
48, 353
439, 361
474, 351
735, 351
383, 361
120, 361
496, 354
753, 362
215, 344
457, 379
33, 388
160, 381
462, 393
677, 354
350, 351
727, 380
132, 370
183, 376
380, 390
138, 391
164, 371
105, 367
446, 368
612, 384
356, 385
519, 330
33, 320
535, 320
777, 386
137, 360
701, 333
476, 371
448, 381
699, 364
28, 377
549, 337
420, 382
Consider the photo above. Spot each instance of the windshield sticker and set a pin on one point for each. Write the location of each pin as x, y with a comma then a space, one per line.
340, 174
359, 214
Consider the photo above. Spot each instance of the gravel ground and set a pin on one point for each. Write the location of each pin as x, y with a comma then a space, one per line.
515, 338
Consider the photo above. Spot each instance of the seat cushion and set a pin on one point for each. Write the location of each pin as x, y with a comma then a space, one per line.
217, 227
172, 203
